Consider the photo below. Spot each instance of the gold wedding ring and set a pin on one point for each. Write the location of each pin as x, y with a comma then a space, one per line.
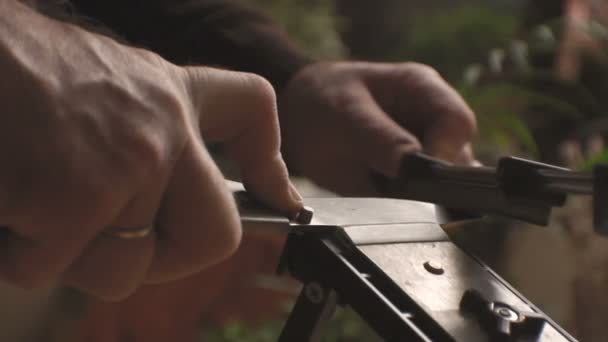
129, 233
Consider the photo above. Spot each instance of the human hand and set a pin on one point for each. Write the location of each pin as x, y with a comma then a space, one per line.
98, 137
342, 121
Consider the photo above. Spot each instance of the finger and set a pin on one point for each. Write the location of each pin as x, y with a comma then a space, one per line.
29, 263
466, 157
198, 224
378, 139
348, 179
47, 235
240, 110
112, 267
451, 122
419, 99
449, 136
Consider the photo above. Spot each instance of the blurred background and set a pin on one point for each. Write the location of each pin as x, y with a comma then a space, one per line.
536, 74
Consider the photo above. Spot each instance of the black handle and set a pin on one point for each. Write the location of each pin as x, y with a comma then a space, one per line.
517, 188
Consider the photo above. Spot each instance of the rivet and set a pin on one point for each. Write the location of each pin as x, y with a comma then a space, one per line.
314, 293
506, 313
433, 267
304, 216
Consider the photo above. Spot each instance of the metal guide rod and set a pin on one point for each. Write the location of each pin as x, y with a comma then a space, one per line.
516, 187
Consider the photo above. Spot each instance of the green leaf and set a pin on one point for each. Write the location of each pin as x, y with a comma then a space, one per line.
600, 158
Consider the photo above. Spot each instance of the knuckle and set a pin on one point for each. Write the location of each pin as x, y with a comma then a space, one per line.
468, 123
141, 143
461, 123
147, 153
227, 237
101, 199
454, 111
462, 119
420, 69
230, 240
151, 153
415, 145
262, 93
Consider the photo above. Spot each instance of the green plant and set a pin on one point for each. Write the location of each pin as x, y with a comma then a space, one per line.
450, 40
345, 326
313, 24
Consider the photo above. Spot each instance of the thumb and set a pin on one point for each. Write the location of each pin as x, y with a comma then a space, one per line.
240, 111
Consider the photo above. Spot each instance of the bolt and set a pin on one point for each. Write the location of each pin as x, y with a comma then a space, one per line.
304, 216
314, 293
433, 267
506, 313
241, 196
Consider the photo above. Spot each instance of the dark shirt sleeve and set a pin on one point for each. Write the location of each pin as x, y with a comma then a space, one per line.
206, 32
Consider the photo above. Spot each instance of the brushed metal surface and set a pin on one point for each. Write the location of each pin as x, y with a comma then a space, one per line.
440, 295
395, 233
364, 220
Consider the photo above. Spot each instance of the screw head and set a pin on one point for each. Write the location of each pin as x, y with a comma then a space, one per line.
314, 292
433, 267
506, 313
304, 216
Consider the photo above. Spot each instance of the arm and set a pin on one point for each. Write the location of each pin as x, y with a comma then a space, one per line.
209, 32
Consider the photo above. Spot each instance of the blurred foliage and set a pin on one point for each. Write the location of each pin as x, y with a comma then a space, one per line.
449, 40
345, 326
267, 331
311, 23
509, 82
525, 107
599, 158
501, 128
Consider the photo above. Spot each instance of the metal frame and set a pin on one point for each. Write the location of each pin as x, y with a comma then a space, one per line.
334, 270
357, 252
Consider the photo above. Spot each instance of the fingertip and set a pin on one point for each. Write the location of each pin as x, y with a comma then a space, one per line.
476, 163
467, 157
464, 156
280, 196
297, 201
270, 184
295, 194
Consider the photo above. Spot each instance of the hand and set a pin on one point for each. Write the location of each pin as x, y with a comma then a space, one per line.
342, 121
96, 136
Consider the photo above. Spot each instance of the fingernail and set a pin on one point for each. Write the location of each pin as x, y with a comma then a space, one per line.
476, 163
